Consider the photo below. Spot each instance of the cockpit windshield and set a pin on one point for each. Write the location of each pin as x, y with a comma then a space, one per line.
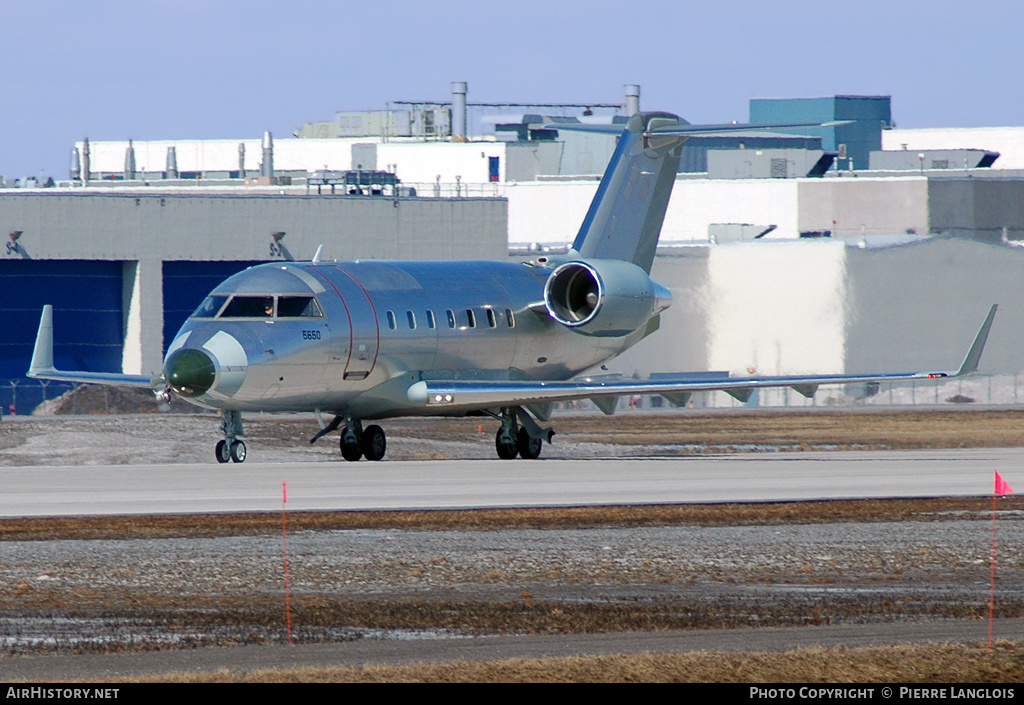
264, 306
211, 307
298, 307
249, 307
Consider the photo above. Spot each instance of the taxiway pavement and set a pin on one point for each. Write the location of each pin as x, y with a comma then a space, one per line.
460, 484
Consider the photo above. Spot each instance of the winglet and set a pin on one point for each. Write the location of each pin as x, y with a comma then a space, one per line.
42, 355
970, 363
42, 367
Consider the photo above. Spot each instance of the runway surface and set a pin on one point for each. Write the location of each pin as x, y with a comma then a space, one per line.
751, 477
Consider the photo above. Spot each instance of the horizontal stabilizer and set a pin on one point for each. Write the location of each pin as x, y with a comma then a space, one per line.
685, 129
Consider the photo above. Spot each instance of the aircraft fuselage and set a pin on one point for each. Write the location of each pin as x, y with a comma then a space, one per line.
375, 329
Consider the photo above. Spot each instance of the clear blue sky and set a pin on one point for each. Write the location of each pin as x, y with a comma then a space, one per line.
231, 68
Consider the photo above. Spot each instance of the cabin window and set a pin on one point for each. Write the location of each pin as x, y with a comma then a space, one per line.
249, 307
470, 318
451, 318
392, 323
211, 307
430, 319
491, 320
412, 319
298, 307
510, 317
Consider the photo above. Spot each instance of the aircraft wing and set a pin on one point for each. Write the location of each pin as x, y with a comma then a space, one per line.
471, 394
42, 367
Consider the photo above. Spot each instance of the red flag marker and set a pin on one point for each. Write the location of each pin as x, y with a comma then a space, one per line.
1002, 486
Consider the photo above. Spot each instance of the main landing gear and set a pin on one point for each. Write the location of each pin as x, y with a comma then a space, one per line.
519, 436
356, 442
231, 448
512, 439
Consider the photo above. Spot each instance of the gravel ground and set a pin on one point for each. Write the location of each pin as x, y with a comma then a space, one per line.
74, 595
143, 439
84, 595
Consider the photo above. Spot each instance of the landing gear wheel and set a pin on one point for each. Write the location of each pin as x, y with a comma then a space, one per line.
506, 446
529, 448
350, 451
222, 451
374, 443
238, 451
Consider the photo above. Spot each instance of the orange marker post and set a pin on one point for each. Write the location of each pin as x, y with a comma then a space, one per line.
284, 532
1002, 487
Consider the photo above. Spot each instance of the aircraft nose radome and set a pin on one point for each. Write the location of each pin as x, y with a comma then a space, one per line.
190, 372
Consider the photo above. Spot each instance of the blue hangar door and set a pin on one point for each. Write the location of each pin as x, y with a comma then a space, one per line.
87, 322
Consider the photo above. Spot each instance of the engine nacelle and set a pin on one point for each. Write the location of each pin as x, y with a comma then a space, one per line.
603, 297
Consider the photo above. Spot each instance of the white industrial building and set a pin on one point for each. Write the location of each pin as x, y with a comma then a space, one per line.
1008, 141
850, 271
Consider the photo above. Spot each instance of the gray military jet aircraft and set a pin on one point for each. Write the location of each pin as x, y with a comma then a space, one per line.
371, 340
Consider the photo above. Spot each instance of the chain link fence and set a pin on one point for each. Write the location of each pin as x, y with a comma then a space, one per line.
25, 396
974, 390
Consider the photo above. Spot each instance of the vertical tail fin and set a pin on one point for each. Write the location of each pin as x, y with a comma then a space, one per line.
625, 217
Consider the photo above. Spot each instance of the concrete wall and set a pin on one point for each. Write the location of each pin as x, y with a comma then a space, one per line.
547, 212
774, 307
682, 343
828, 307
551, 212
132, 226
851, 207
979, 208
697, 203
918, 306
142, 230
422, 163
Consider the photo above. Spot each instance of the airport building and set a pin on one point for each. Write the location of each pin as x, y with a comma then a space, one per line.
851, 248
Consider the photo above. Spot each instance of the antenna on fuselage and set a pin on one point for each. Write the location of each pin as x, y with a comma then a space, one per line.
319, 251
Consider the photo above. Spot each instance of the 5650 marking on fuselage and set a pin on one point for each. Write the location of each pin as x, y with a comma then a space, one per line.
311, 335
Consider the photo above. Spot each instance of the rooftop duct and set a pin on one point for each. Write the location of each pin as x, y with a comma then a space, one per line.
632, 99
172, 163
459, 111
267, 166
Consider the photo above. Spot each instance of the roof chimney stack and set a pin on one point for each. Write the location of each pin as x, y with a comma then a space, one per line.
459, 111
632, 99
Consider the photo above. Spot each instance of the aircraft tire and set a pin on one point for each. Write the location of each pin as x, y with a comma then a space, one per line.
222, 451
238, 452
374, 443
529, 448
351, 452
506, 447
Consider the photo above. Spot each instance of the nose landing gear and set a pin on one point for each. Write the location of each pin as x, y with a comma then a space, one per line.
231, 448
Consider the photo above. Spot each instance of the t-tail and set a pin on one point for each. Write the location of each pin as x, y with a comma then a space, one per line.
625, 217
